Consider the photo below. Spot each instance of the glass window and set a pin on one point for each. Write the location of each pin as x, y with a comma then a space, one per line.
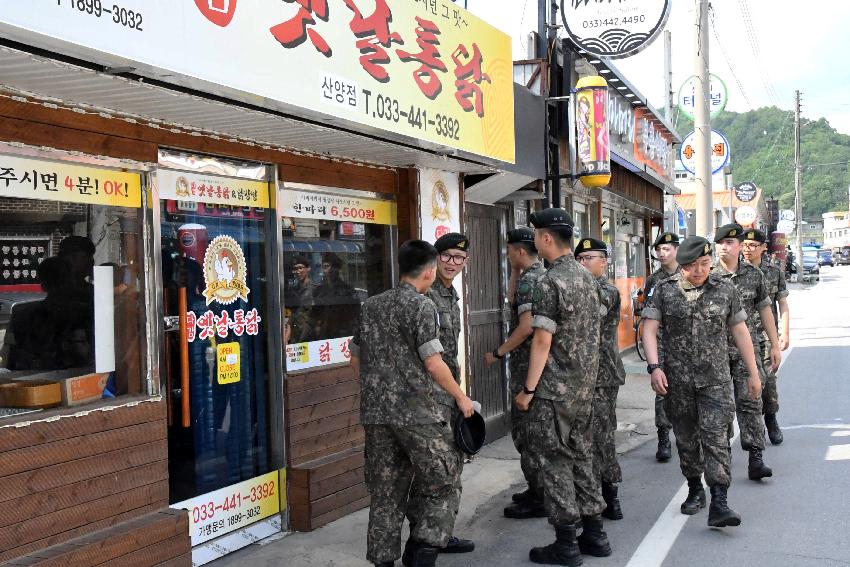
338, 248
72, 308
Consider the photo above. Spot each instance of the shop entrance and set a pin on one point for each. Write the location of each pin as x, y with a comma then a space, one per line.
488, 314
214, 235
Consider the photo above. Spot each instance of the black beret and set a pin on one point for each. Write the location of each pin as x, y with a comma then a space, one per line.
551, 218
731, 230
520, 235
452, 240
692, 248
666, 238
591, 245
755, 234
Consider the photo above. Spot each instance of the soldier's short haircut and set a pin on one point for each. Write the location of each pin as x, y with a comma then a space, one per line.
414, 256
563, 235
527, 246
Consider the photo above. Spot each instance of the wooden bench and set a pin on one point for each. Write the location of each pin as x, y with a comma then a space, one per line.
325, 447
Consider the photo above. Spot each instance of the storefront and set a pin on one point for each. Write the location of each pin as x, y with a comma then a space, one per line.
221, 226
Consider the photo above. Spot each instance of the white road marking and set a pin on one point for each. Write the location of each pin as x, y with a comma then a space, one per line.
658, 541
819, 426
845, 433
838, 453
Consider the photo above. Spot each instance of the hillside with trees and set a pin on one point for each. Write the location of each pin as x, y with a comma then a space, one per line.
762, 143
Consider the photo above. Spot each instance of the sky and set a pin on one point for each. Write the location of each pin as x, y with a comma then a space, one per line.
792, 48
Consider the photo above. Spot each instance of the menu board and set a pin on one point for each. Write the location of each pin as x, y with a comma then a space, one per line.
19, 259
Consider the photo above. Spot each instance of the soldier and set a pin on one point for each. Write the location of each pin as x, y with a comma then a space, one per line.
453, 253
755, 300
396, 351
695, 307
755, 248
525, 269
665, 247
593, 255
558, 394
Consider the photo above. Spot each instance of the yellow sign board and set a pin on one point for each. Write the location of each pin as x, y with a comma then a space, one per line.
212, 189
313, 205
229, 369
31, 178
231, 508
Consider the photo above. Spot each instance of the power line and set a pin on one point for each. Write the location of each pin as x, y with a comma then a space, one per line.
752, 38
728, 61
773, 145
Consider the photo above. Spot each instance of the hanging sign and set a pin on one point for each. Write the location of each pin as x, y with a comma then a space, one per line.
787, 214
593, 148
614, 29
746, 191
427, 70
745, 215
718, 96
785, 226
225, 271
231, 508
439, 204
188, 187
719, 152
314, 205
29, 178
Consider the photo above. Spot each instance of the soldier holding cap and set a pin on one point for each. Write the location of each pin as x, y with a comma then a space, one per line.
695, 307
665, 247
593, 255
453, 253
396, 352
755, 300
755, 248
558, 393
526, 268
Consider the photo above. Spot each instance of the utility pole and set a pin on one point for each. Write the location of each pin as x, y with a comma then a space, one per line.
670, 203
798, 189
702, 126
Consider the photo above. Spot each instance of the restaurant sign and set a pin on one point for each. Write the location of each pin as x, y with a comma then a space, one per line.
426, 69
29, 178
635, 134
343, 208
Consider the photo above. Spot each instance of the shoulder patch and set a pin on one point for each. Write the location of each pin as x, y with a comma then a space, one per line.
524, 287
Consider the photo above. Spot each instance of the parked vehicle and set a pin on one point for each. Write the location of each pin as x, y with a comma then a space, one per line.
825, 258
842, 258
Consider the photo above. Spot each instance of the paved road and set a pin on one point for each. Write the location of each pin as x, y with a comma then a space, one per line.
799, 518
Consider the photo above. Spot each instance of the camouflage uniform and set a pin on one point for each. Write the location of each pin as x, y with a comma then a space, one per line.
655, 278
566, 304
405, 431
776, 290
610, 377
448, 310
752, 289
699, 393
518, 361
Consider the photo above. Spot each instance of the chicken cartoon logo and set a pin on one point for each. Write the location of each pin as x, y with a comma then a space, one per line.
224, 271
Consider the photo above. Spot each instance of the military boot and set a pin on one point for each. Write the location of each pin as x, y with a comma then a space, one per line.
773, 431
696, 497
564, 551
612, 502
524, 495
757, 469
419, 554
529, 508
593, 539
665, 451
720, 514
385, 564
457, 545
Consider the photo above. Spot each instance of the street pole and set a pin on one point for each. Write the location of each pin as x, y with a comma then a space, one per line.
798, 189
668, 114
702, 126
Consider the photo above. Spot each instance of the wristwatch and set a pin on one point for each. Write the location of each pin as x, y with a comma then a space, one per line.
496, 353
651, 367
526, 391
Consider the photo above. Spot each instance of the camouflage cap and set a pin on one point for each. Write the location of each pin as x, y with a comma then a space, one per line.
551, 218
591, 245
692, 248
755, 234
520, 235
452, 240
731, 230
666, 238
